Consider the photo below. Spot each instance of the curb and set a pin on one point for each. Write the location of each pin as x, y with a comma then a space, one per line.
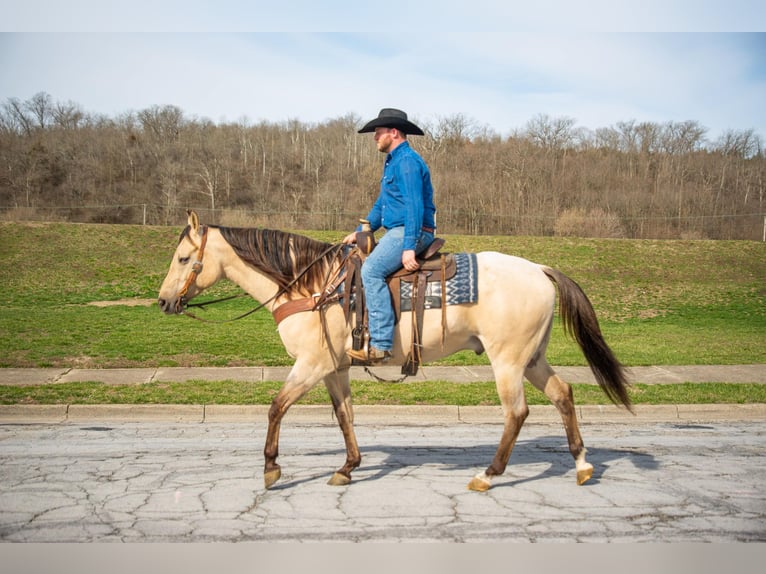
753, 373
372, 414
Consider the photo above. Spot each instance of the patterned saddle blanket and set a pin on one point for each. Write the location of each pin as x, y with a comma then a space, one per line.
461, 287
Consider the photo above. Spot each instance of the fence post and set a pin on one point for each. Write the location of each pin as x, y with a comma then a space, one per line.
144, 205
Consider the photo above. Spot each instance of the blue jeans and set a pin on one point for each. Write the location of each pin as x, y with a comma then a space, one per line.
384, 260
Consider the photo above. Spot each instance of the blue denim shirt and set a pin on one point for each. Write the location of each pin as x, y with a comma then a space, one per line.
406, 196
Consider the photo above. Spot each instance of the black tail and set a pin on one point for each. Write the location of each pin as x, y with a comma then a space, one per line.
580, 322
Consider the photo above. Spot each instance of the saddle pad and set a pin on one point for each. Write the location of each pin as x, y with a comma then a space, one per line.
462, 288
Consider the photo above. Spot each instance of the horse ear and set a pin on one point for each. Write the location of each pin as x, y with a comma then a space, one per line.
193, 221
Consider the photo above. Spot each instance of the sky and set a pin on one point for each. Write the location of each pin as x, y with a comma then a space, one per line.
499, 64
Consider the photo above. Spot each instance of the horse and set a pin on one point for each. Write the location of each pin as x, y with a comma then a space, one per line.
511, 322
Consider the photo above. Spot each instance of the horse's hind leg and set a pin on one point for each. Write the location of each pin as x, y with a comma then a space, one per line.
340, 392
510, 388
544, 378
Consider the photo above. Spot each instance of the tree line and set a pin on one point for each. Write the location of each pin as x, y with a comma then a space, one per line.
550, 177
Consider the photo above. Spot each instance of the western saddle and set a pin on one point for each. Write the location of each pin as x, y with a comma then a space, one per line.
435, 266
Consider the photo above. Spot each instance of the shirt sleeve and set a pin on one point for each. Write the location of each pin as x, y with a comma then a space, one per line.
375, 217
411, 184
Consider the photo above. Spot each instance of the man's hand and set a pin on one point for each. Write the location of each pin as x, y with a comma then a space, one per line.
408, 260
350, 238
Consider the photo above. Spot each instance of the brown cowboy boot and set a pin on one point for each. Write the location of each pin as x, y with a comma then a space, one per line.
373, 357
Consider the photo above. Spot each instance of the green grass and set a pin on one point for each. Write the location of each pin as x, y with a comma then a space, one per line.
365, 393
659, 302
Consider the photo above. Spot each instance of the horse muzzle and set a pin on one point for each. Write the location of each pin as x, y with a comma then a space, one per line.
174, 306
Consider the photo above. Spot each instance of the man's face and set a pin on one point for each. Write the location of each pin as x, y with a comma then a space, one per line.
384, 139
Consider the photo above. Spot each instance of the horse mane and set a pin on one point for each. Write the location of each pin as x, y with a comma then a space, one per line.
283, 256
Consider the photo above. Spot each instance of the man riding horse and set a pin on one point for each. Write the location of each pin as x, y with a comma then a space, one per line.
405, 209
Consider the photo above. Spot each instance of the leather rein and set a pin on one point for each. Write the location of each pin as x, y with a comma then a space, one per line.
197, 269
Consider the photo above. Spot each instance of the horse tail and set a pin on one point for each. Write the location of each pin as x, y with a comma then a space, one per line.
580, 322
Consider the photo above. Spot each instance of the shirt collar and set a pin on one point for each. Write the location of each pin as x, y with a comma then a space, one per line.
397, 150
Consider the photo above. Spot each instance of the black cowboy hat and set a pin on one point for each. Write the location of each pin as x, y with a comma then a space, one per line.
392, 118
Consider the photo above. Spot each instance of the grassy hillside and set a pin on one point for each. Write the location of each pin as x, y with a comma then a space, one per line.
660, 302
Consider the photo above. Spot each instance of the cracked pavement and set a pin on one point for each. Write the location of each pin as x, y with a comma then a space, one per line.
182, 482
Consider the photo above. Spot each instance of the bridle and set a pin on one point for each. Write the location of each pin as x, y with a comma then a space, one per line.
182, 305
196, 268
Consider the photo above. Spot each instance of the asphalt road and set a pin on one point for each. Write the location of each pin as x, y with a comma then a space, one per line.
109, 481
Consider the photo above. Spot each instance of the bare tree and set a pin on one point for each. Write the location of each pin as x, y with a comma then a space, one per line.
209, 173
739, 143
682, 137
162, 122
41, 107
68, 116
654, 179
552, 134
17, 117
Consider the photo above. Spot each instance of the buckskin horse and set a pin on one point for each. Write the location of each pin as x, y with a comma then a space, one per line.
511, 321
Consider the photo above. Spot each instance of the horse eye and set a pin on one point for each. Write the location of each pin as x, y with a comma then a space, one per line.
183, 260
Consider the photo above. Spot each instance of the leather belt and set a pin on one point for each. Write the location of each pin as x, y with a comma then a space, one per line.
428, 229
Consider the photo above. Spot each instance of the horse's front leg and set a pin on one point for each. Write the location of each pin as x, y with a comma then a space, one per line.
271, 470
340, 392
298, 383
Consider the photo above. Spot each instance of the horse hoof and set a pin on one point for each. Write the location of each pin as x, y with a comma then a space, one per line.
270, 477
479, 484
584, 474
339, 479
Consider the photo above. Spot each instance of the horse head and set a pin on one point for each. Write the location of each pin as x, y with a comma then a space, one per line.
187, 276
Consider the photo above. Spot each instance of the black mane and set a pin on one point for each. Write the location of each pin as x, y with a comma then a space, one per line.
283, 256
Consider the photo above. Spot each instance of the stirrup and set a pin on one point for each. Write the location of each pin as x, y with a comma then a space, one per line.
371, 357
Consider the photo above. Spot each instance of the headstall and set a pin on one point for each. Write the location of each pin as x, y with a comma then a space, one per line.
196, 266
